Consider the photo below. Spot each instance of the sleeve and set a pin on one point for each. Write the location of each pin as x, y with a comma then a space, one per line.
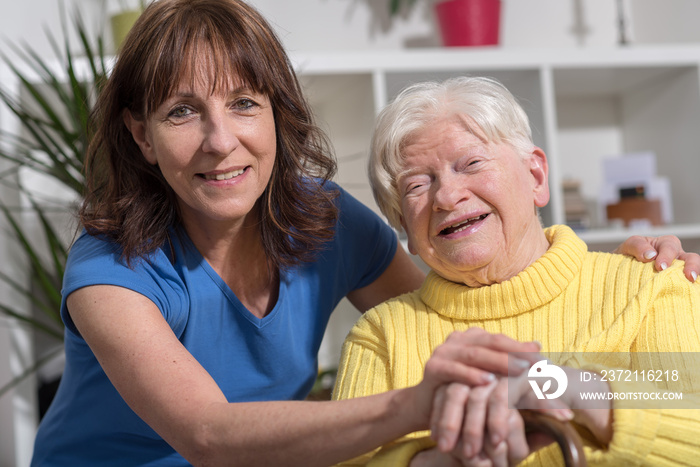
367, 244
669, 339
97, 261
365, 370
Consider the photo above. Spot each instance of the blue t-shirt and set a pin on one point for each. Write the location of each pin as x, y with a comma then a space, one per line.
251, 359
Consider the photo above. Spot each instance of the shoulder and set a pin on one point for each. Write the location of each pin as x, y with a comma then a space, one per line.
98, 257
363, 244
348, 205
623, 276
358, 222
91, 257
352, 213
628, 269
95, 260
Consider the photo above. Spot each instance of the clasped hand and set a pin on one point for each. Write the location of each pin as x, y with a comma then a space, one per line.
477, 423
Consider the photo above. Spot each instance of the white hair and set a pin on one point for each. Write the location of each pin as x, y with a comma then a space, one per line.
483, 102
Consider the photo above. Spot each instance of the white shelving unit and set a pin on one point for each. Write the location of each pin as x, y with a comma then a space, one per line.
583, 105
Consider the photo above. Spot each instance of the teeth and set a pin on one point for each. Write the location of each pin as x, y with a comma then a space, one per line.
225, 176
463, 225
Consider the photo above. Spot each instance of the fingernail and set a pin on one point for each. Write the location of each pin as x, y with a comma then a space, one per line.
442, 444
495, 440
488, 377
524, 364
694, 275
537, 343
650, 254
567, 414
663, 266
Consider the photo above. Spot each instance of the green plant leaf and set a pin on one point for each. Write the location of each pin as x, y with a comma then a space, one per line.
53, 103
34, 323
42, 275
394, 6
29, 371
58, 252
48, 141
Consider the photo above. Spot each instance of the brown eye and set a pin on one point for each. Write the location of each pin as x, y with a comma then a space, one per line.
245, 104
179, 112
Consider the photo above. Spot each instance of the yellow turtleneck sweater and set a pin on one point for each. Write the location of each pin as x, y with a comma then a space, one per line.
570, 300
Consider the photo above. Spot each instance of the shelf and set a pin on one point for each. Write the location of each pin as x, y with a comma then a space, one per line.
440, 59
598, 236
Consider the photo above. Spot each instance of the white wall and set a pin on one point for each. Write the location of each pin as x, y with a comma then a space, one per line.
307, 25
313, 25
361, 24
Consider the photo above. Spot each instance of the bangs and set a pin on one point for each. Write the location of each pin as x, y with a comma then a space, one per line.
204, 65
198, 48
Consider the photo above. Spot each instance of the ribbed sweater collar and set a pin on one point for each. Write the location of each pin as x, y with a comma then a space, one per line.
535, 286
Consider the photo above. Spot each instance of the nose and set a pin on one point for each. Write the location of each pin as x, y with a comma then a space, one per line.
220, 134
449, 192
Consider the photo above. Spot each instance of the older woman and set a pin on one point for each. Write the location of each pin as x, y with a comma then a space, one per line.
453, 164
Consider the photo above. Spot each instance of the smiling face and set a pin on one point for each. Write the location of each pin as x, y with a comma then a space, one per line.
468, 205
215, 146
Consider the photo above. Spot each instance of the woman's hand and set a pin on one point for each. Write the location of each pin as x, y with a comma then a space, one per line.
663, 250
492, 433
472, 358
463, 412
490, 428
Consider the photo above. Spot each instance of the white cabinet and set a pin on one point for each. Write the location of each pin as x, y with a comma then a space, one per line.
583, 105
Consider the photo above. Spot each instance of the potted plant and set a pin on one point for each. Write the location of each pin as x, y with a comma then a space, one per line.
51, 103
461, 22
124, 19
396, 6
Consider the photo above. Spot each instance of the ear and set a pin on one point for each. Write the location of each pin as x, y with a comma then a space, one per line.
411, 249
137, 128
540, 176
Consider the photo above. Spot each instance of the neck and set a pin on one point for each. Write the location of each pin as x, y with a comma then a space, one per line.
528, 248
236, 253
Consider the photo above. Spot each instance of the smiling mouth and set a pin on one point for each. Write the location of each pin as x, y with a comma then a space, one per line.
462, 225
223, 176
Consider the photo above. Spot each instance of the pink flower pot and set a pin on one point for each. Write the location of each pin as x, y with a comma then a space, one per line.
469, 22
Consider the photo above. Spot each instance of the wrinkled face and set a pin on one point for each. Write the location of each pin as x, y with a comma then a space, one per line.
215, 149
468, 206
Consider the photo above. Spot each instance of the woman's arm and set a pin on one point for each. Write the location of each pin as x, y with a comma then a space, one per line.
172, 392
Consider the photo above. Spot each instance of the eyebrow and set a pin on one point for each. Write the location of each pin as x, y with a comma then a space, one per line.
408, 172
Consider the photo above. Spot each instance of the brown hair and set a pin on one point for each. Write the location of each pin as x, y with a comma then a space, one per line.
129, 201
